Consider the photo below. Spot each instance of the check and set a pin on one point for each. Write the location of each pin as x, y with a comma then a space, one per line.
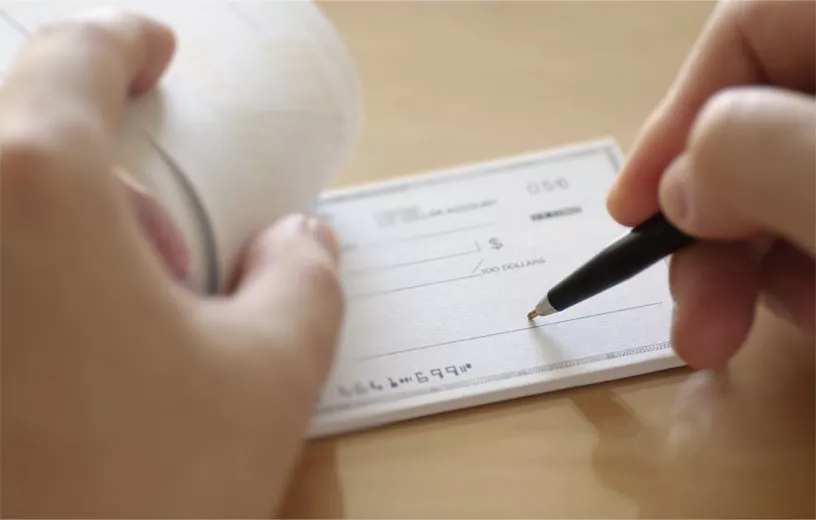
440, 270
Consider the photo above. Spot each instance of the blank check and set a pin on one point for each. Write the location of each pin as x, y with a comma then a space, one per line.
440, 270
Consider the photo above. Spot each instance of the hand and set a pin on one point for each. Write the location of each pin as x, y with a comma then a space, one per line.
123, 393
729, 157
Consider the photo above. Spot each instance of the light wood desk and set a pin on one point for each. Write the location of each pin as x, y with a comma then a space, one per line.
448, 83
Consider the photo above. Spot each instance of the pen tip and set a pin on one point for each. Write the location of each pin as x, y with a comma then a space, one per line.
532, 314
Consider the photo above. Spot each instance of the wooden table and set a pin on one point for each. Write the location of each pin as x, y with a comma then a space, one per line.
449, 83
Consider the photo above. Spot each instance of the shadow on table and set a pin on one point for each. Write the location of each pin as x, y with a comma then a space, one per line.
736, 444
316, 475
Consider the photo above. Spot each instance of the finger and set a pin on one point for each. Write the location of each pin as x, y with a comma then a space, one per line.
788, 283
159, 227
60, 102
289, 283
68, 85
715, 291
743, 43
750, 169
154, 44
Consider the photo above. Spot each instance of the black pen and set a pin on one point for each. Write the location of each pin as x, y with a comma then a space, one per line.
644, 245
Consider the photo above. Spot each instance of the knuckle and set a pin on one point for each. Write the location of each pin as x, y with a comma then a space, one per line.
86, 28
716, 115
41, 171
750, 16
732, 7
64, 29
24, 158
745, 16
56, 144
27, 182
102, 28
714, 128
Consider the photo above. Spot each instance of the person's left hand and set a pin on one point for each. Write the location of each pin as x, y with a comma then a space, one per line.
124, 394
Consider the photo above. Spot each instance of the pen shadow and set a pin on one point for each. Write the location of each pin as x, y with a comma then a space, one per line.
545, 341
315, 490
732, 445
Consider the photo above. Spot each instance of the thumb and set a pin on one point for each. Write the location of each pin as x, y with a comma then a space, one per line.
288, 283
749, 169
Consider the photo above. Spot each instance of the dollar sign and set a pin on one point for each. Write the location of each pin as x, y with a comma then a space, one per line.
495, 243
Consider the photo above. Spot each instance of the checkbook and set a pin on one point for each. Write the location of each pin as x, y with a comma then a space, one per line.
440, 270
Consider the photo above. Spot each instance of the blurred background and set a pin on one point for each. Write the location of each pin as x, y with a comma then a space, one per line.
448, 82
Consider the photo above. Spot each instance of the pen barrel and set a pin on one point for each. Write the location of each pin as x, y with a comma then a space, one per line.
643, 246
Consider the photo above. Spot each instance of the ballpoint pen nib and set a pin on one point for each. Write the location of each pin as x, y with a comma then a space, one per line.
543, 308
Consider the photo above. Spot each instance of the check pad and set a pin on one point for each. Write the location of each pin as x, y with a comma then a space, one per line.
440, 270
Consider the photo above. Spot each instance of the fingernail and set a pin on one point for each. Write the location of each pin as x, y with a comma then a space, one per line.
324, 235
674, 191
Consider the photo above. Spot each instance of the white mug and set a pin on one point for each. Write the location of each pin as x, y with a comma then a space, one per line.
260, 107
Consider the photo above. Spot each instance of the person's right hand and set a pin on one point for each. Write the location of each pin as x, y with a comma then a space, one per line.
729, 156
